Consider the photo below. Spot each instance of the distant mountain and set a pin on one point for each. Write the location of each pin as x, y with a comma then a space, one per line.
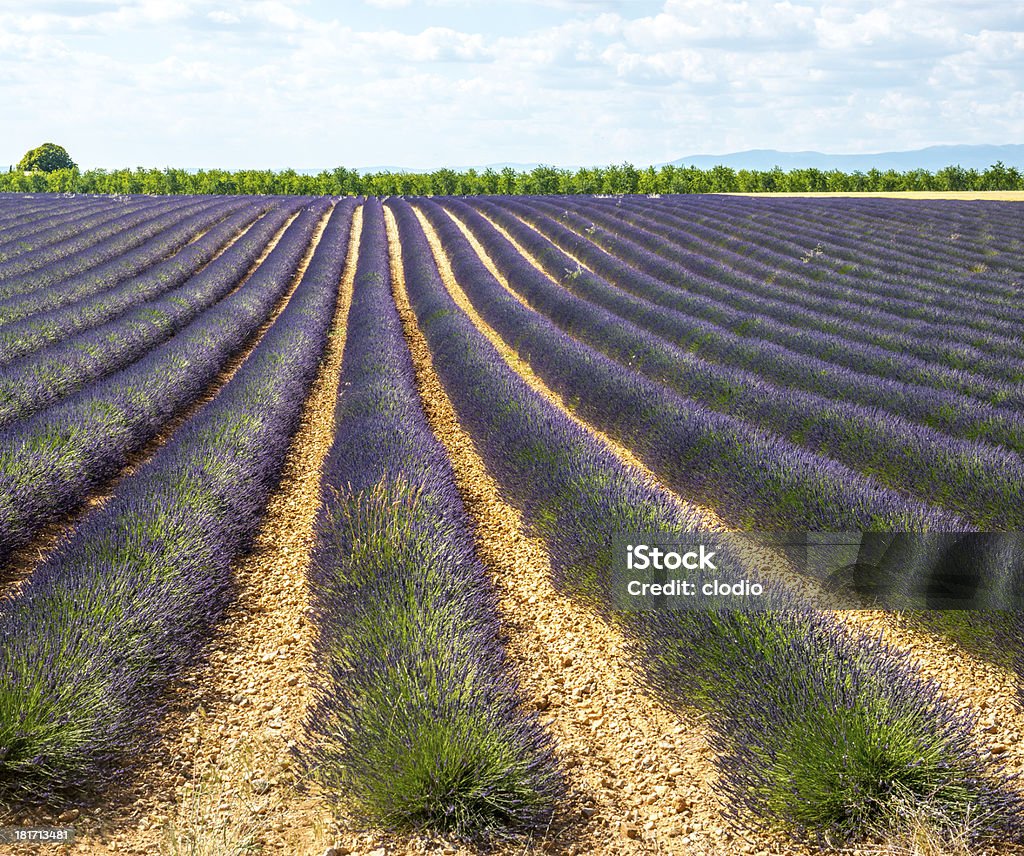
932, 158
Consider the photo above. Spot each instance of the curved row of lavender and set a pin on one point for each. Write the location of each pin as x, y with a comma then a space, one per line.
130, 600
418, 720
93, 246
50, 462
27, 227
982, 484
753, 323
573, 491
970, 341
975, 473
816, 284
25, 208
755, 478
863, 339
817, 731
782, 354
122, 258
881, 258
922, 236
995, 354
41, 379
47, 220
21, 211
43, 328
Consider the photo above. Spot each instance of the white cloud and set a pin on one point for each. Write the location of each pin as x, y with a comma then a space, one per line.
278, 82
435, 44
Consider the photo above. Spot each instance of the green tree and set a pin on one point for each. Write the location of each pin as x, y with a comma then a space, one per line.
648, 181
542, 180
49, 157
723, 179
953, 178
507, 182
444, 182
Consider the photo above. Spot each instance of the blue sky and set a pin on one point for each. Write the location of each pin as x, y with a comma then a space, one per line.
424, 83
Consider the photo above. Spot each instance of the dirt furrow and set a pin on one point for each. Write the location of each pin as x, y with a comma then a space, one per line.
222, 781
643, 776
582, 265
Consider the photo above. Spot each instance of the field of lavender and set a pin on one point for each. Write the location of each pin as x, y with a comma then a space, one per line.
504, 386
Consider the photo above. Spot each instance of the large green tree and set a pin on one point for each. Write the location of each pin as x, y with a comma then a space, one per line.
49, 157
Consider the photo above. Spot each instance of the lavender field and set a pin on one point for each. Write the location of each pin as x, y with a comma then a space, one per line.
334, 486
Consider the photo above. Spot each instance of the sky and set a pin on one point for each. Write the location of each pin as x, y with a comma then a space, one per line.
312, 84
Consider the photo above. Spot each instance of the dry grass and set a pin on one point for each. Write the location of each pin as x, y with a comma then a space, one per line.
221, 811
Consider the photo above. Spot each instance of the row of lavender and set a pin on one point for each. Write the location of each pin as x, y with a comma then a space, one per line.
948, 283
782, 353
50, 462
982, 484
144, 311
29, 224
54, 264
129, 601
109, 262
817, 730
418, 721
754, 477
953, 245
880, 256
944, 355
45, 326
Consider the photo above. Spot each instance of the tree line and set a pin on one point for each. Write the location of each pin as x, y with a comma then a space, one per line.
615, 179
